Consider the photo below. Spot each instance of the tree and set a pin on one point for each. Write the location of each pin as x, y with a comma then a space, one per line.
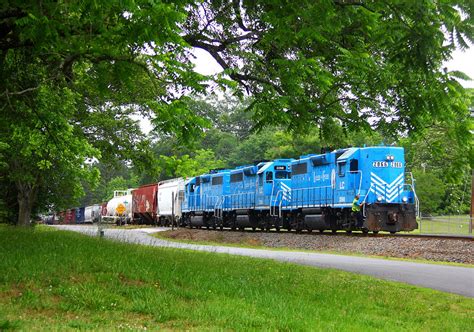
186, 166
362, 62
431, 191
72, 74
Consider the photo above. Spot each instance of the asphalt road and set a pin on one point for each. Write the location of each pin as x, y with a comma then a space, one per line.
447, 278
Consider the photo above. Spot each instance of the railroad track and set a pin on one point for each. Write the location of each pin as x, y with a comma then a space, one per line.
360, 234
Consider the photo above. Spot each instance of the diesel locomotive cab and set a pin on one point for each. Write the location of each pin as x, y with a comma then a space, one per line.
390, 202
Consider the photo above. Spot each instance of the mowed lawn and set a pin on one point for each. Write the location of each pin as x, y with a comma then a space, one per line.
56, 280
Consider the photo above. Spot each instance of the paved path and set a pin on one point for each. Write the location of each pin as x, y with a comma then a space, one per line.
452, 279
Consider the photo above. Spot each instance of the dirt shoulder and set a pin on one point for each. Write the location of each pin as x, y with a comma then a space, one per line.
443, 250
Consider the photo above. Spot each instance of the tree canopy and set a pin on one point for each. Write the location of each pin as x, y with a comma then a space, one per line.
74, 72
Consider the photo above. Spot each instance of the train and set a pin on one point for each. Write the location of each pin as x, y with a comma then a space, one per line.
314, 192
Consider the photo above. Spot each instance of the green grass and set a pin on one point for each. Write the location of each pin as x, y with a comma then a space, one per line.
56, 280
457, 225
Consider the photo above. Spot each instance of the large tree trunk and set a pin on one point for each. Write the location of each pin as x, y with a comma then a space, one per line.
26, 198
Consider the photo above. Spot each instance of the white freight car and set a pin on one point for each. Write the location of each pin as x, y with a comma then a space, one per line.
169, 199
119, 208
92, 213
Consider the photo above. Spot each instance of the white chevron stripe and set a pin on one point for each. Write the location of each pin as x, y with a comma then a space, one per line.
376, 178
388, 191
389, 200
395, 188
286, 191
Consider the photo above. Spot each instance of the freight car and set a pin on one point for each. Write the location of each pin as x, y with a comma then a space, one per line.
119, 208
144, 204
80, 213
169, 200
92, 213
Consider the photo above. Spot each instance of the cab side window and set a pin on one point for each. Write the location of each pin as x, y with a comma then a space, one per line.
341, 169
269, 177
354, 165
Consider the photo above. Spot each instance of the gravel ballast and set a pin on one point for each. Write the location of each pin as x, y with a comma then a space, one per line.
444, 250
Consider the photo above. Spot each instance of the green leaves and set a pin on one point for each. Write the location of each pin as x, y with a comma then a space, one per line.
351, 61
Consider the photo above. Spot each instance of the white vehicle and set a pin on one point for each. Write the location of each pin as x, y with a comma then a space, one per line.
166, 208
119, 208
92, 213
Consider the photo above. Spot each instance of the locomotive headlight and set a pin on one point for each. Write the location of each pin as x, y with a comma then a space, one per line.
379, 198
405, 199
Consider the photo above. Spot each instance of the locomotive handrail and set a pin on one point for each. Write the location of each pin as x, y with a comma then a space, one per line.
247, 197
219, 202
274, 201
417, 202
308, 189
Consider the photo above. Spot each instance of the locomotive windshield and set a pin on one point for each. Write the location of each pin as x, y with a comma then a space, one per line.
282, 175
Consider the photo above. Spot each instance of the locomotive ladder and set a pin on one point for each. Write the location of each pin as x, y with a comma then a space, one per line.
218, 211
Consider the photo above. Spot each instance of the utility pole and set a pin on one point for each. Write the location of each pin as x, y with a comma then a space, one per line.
172, 210
471, 220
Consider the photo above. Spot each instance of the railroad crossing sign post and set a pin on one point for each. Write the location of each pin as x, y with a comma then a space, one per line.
100, 226
120, 209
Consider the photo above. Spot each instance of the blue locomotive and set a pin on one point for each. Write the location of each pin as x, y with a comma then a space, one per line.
314, 192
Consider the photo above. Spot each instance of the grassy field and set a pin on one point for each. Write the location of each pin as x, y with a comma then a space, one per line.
53, 280
452, 225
